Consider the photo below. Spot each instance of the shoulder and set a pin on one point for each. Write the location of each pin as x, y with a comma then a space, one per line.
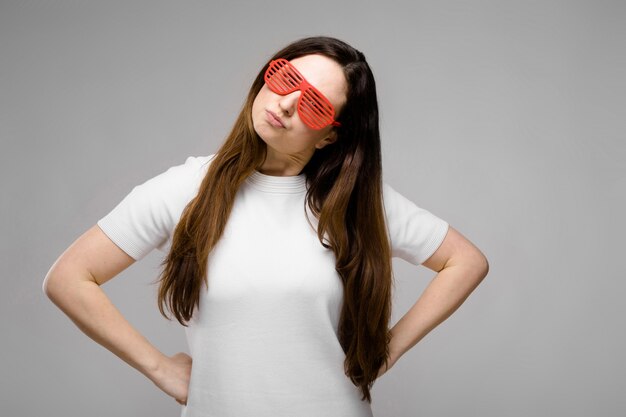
193, 167
414, 231
167, 193
397, 205
180, 179
392, 199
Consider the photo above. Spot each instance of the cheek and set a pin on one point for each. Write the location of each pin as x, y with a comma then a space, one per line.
257, 102
257, 114
258, 108
307, 136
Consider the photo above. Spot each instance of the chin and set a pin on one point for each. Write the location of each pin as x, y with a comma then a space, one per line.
264, 133
261, 131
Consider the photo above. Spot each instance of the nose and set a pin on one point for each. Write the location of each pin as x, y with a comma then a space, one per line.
289, 102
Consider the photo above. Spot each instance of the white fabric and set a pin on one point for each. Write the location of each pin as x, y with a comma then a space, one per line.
264, 340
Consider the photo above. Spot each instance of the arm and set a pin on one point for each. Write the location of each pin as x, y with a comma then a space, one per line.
460, 267
73, 284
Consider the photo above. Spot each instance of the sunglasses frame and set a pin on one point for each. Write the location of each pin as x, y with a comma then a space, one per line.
310, 114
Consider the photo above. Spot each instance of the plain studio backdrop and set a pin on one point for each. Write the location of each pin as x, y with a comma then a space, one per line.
504, 118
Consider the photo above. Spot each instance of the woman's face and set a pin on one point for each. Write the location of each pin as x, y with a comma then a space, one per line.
295, 139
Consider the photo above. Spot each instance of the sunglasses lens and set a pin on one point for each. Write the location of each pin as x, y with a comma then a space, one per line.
315, 109
281, 78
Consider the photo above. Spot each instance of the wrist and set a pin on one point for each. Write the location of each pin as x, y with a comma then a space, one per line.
155, 366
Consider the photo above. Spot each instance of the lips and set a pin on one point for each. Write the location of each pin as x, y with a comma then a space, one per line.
273, 119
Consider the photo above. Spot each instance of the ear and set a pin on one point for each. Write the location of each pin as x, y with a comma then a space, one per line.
331, 138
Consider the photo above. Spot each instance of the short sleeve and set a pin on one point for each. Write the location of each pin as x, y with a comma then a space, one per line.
414, 232
146, 218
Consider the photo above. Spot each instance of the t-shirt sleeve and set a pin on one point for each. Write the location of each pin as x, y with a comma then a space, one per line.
414, 232
146, 218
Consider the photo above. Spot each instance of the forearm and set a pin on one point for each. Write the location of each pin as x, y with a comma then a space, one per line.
86, 304
442, 297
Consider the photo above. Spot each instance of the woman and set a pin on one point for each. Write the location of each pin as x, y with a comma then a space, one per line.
279, 252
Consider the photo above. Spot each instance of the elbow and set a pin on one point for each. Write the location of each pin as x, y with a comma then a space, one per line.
44, 286
48, 285
50, 282
485, 267
58, 280
61, 284
57, 289
53, 284
481, 265
478, 264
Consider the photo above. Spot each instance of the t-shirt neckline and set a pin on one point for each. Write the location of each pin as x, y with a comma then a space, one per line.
290, 184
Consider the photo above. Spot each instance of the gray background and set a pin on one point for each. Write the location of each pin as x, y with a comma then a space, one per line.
504, 118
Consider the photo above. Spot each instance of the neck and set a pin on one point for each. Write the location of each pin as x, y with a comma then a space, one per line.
283, 165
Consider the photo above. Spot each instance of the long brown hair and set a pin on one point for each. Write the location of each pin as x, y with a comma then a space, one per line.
344, 192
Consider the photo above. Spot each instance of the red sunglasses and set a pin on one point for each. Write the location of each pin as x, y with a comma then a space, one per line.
314, 109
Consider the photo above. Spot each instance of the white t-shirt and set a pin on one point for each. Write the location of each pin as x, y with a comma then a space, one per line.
264, 339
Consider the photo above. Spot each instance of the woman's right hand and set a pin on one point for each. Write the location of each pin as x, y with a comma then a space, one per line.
173, 375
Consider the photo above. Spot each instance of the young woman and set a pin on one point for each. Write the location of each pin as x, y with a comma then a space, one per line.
278, 253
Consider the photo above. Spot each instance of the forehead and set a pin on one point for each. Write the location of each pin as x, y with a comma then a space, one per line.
324, 74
